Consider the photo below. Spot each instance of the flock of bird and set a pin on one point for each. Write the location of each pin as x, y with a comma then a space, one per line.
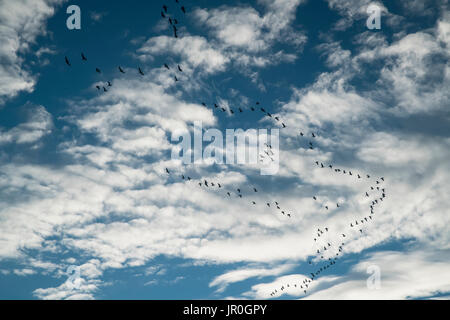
326, 251
172, 20
233, 193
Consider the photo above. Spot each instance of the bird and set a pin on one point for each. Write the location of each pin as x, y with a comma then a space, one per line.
170, 20
83, 57
140, 71
109, 84
166, 66
179, 68
183, 9
255, 190
167, 170
162, 14
104, 89
176, 79
98, 87
67, 61
165, 8
121, 70
98, 70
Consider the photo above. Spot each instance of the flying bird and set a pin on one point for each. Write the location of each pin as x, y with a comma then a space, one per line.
140, 71
98, 70
179, 68
121, 70
83, 57
183, 9
67, 61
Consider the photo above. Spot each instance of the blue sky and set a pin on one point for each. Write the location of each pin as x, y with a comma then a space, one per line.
82, 172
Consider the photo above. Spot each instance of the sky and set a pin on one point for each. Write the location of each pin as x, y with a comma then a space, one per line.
83, 181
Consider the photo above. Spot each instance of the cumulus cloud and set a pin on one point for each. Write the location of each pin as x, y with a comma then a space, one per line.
39, 124
113, 201
22, 22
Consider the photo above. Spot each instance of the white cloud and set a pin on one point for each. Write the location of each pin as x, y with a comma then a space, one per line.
38, 125
404, 275
234, 276
22, 22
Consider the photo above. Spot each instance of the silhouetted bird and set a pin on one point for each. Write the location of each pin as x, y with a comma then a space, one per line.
140, 71
165, 8
179, 68
166, 66
67, 61
83, 57
183, 9
121, 70
98, 70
